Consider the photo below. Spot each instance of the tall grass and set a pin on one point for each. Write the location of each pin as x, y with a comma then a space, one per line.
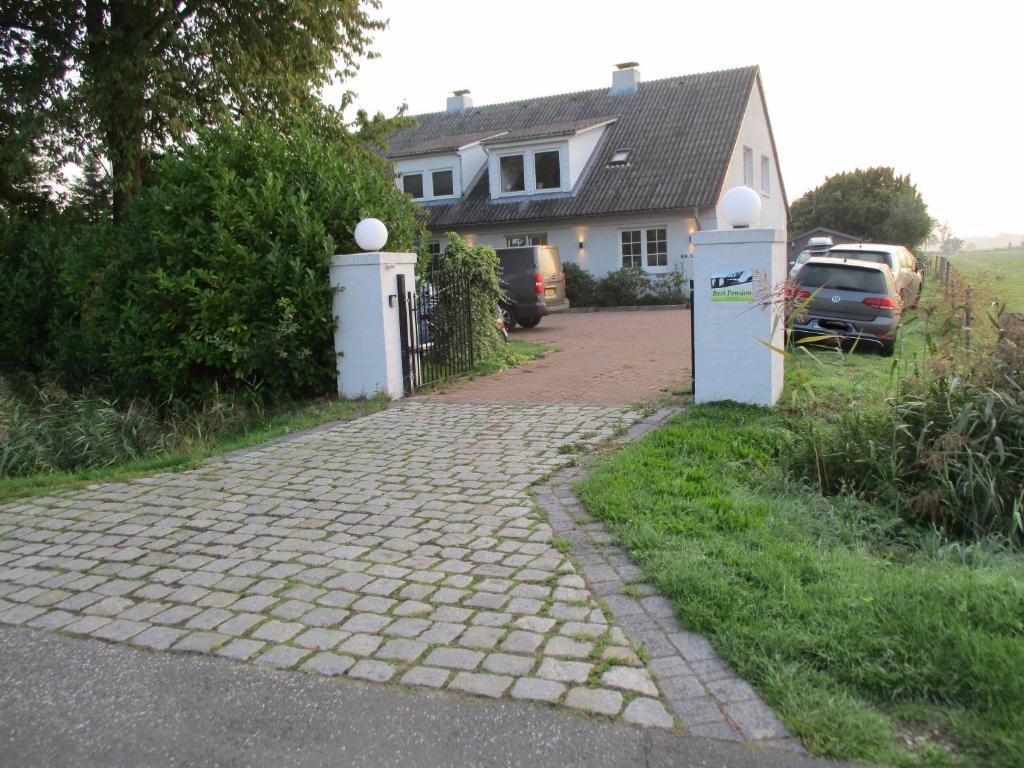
946, 448
46, 429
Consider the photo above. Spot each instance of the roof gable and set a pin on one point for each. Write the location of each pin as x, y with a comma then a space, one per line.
680, 132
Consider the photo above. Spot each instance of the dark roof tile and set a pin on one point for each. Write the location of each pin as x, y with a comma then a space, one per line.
681, 132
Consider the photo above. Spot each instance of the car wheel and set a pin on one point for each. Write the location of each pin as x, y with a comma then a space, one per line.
508, 314
530, 323
887, 348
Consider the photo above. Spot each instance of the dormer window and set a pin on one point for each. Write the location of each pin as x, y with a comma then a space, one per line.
412, 185
621, 157
529, 171
548, 169
443, 184
513, 177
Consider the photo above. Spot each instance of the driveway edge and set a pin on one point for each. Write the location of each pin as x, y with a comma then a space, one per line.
705, 696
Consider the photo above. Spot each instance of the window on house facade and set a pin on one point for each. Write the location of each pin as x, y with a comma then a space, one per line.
443, 183
766, 175
412, 184
513, 178
548, 170
434, 249
657, 248
530, 238
748, 167
645, 247
632, 248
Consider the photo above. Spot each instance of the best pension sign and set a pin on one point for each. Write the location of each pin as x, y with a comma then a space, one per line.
732, 286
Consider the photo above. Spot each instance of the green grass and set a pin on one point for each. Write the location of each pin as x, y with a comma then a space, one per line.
860, 647
1000, 273
275, 423
872, 641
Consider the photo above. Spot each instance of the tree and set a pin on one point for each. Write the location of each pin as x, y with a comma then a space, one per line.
874, 204
942, 237
130, 76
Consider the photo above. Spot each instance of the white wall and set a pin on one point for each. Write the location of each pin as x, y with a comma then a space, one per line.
581, 147
754, 133
474, 159
731, 337
425, 164
601, 252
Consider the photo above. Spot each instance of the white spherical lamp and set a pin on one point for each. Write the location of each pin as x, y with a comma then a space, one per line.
371, 234
740, 208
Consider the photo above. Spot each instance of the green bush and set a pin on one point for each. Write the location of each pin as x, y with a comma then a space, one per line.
219, 275
580, 286
622, 288
475, 266
626, 287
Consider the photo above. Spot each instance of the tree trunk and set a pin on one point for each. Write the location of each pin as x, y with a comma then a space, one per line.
118, 39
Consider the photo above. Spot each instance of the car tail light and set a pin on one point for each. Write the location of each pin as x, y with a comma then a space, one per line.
792, 293
881, 303
538, 284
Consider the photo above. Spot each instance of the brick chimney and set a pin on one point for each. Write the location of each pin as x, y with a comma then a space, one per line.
625, 79
459, 101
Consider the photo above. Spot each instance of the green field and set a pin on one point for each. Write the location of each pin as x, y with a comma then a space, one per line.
1000, 273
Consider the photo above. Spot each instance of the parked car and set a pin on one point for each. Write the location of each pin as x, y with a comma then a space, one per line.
850, 300
901, 262
534, 282
815, 247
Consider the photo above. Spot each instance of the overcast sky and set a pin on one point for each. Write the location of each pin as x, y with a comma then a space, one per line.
933, 89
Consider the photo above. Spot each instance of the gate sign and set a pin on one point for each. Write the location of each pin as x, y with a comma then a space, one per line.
735, 285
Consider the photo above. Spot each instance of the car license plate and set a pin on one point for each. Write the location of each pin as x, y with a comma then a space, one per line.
549, 291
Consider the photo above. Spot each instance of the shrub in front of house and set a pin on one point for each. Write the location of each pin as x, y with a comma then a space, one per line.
476, 268
626, 287
217, 278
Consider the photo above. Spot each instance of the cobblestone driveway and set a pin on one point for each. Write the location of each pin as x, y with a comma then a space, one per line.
401, 546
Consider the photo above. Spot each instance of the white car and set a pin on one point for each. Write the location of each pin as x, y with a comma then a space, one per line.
901, 262
816, 246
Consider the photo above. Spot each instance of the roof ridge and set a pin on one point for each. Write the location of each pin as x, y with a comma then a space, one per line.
751, 68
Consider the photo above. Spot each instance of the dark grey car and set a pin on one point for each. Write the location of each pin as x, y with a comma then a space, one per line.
850, 300
533, 280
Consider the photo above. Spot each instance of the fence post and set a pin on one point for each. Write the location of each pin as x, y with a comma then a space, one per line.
967, 321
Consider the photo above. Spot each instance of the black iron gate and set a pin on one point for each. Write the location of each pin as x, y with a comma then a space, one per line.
436, 326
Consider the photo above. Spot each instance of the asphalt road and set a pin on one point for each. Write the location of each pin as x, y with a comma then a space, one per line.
72, 702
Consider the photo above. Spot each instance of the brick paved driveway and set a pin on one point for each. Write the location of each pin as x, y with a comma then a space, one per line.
401, 546
603, 357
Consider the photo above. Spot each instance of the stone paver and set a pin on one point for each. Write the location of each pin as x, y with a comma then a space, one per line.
402, 546
602, 357
704, 695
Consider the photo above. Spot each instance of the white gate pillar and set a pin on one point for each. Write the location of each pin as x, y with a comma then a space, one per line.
730, 331
366, 332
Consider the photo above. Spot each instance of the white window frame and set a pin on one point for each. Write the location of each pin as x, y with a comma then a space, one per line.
748, 167
427, 182
423, 184
441, 170
766, 175
530, 170
529, 239
644, 229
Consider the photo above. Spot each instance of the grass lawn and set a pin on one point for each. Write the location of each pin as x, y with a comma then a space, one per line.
1000, 273
870, 642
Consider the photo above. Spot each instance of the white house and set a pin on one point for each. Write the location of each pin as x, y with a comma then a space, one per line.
613, 177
